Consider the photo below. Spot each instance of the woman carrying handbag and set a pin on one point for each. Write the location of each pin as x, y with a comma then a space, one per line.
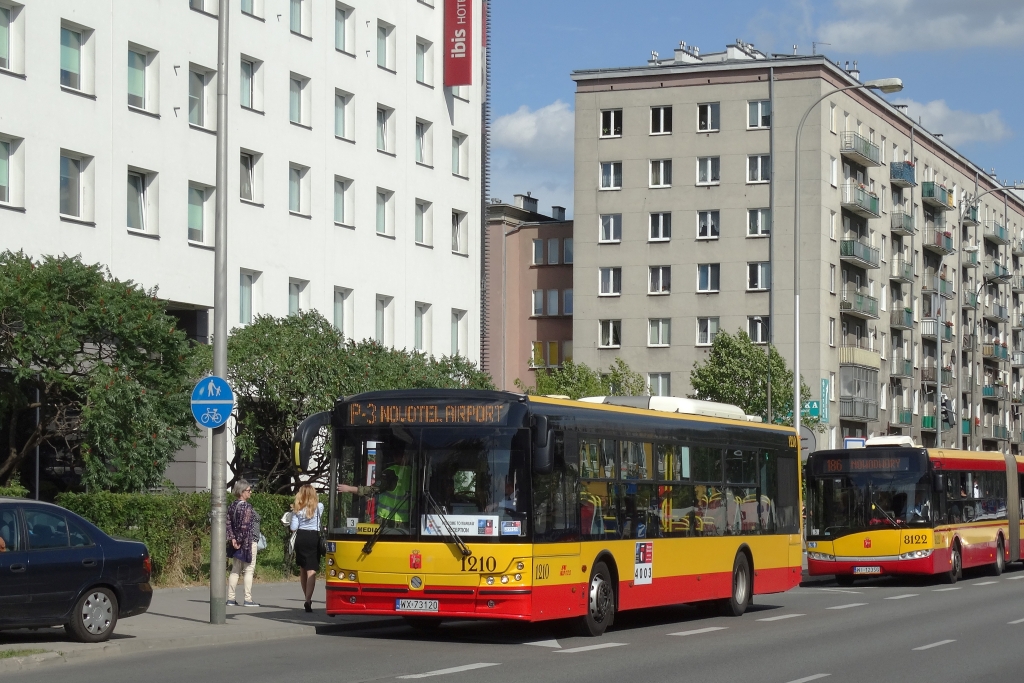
244, 539
306, 513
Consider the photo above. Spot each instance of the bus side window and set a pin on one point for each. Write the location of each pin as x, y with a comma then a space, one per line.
787, 516
556, 512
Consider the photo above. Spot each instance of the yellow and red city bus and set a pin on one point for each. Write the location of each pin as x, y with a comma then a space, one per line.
904, 509
486, 504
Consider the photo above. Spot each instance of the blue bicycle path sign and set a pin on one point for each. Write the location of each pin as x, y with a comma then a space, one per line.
212, 402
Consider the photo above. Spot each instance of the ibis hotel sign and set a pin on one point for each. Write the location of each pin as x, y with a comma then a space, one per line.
458, 42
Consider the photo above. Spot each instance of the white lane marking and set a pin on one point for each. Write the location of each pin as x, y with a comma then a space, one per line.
852, 604
840, 590
943, 590
782, 616
1014, 578
810, 678
453, 670
900, 597
545, 643
697, 632
931, 645
984, 583
1019, 621
588, 648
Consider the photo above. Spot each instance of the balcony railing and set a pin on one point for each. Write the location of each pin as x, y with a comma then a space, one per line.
994, 352
1017, 246
902, 319
995, 232
900, 367
862, 409
969, 342
937, 195
970, 299
858, 304
901, 270
860, 254
971, 216
928, 422
1017, 283
996, 393
899, 417
901, 174
996, 270
859, 200
860, 149
1016, 397
930, 374
970, 259
1016, 320
855, 355
937, 240
997, 312
903, 224
1016, 358
998, 432
965, 427
934, 329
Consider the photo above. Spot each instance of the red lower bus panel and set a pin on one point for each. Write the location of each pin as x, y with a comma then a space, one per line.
777, 580
559, 601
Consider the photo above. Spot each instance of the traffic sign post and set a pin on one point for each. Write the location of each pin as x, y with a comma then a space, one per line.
212, 402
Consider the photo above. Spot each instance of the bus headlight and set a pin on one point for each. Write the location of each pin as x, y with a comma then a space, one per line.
519, 577
504, 579
330, 561
520, 566
352, 576
825, 557
916, 554
490, 580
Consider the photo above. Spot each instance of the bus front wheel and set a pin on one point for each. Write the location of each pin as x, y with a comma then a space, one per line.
1000, 563
601, 602
955, 565
740, 597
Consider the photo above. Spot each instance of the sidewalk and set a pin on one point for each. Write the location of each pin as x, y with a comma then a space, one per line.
179, 617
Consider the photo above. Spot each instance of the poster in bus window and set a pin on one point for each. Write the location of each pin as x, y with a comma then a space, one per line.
643, 563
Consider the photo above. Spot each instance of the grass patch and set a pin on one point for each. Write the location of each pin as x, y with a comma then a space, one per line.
7, 654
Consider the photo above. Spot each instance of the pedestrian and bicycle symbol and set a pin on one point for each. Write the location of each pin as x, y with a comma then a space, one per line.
212, 402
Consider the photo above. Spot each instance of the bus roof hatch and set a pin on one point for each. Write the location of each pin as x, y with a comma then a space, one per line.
673, 404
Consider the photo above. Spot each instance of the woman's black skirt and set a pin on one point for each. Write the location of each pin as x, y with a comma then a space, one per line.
307, 549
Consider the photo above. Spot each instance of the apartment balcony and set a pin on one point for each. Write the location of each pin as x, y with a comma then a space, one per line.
971, 217
970, 259
965, 427
1017, 283
994, 352
858, 409
934, 284
901, 319
903, 224
901, 174
936, 329
859, 305
995, 232
928, 421
1017, 246
859, 149
1016, 397
1016, 320
996, 313
1015, 436
900, 367
857, 199
969, 342
901, 271
996, 432
856, 355
994, 393
858, 254
931, 374
969, 299
1017, 358
898, 417
996, 271
937, 240
937, 196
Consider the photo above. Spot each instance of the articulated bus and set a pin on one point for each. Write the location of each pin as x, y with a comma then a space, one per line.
486, 504
897, 508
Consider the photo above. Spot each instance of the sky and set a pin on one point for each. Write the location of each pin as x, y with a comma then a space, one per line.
961, 61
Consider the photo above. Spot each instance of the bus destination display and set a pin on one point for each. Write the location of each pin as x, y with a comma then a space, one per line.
862, 464
370, 414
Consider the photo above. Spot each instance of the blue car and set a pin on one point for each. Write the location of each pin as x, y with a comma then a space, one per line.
57, 568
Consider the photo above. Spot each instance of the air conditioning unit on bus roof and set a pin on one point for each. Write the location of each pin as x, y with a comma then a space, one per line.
898, 441
672, 404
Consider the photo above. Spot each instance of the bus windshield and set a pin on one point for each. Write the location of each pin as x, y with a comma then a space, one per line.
858, 501
402, 483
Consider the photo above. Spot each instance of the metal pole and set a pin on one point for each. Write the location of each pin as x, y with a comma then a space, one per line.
218, 494
771, 237
38, 415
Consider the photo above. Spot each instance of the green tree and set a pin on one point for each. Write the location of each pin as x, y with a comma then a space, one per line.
103, 363
736, 372
577, 380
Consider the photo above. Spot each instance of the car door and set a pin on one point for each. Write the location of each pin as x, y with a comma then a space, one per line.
15, 593
60, 570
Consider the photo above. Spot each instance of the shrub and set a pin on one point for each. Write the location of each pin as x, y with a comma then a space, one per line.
15, 490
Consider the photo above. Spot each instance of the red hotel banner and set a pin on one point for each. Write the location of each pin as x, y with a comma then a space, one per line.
458, 37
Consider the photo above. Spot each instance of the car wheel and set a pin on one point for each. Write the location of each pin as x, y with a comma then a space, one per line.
844, 580
956, 565
94, 617
601, 603
740, 597
1000, 563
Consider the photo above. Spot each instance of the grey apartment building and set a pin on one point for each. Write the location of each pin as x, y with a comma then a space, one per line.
911, 287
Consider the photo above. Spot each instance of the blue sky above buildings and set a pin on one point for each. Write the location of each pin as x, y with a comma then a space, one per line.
962, 64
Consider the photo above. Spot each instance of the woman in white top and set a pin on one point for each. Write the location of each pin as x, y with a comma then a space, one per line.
306, 513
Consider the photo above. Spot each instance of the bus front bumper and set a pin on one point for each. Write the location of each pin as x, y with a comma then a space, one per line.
938, 561
452, 603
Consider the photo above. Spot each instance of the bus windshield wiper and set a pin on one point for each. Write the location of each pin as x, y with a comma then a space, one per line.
440, 514
372, 541
891, 518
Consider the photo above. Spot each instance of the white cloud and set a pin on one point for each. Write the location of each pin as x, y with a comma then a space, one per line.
889, 26
958, 127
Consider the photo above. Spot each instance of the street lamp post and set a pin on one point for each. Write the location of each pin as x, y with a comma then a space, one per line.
885, 85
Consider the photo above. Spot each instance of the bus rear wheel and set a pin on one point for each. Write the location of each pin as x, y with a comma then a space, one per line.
955, 565
600, 604
1000, 563
742, 585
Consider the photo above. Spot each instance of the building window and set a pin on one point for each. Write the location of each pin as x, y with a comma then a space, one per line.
567, 251
5, 171
659, 383
661, 227
424, 62
384, 212
385, 142
136, 200
660, 280
295, 189
71, 186
831, 331
757, 329
708, 171
295, 16
707, 225
832, 387
196, 98
245, 297
567, 302
298, 101
759, 222
343, 115
459, 245
611, 227
249, 7
423, 223
137, 81
296, 296
708, 117
759, 168
832, 225
5, 38
422, 144
661, 173
707, 330
552, 307
246, 80
460, 332
831, 278
342, 312
538, 302
343, 26
385, 46
70, 58
610, 281
459, 155
661, 120
611, 175
553, 251
610, 335
832, 116
659, 331
538, 252
611, 123
247, 167
342, 201
758, 276
833, 171
421, 327
759, 114
196, 214
384, 320
707, 277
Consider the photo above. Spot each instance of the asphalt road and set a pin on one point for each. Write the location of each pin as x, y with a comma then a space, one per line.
884, 629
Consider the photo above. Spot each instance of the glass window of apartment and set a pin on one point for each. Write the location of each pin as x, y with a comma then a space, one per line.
661, 120
420, 317
70, 58
610, 334
567, 302
245, 297
832, 225
758, 276
457, 151
659, 331
382, 129
421, 134
538, 302
708, 170
611, 227
708, 225
538, 252
759, 168
248, 71
759, 114
460, 332
660, 280
708, 117
424, 62
420, 223
707, 330
196, 214
661, 227
5, 171
458, 232
611, 123
342, 21
759, 222
295, 291
757, 329
380, 315
552, 305
383, 58
249, 7
247, 166
831, 331
294, 189
5, 38
567, 250
295, 16
659, 383
611, 175
342, 208
136, 200
382, 203
137, 81
196, 98
707, 277
610, 281
70, 186
831, 278
553, 251
661, 173
340, 304
833, 171
295, 100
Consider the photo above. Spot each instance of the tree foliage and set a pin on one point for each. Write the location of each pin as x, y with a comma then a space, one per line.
284, 369
111, 371
736, 372
577, 380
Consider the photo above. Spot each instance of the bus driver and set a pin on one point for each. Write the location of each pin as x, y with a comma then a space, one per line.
391, 487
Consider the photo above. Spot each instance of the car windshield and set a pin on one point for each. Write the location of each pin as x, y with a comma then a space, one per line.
423, 483
851, 502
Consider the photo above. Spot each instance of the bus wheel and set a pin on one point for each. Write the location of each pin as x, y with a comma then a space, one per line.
1000, 563
844, 580
601, 604
740, 599
423, 623
956, 565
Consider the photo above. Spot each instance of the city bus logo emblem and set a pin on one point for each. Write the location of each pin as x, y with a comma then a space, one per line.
867, 542
415, 560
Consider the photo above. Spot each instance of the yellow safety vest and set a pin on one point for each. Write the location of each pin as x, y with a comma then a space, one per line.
394, 504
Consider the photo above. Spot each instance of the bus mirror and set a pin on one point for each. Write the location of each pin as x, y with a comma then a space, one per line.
541, 445
939, 482
305, 435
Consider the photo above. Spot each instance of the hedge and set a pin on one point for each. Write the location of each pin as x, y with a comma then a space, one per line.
13, 491
176, 529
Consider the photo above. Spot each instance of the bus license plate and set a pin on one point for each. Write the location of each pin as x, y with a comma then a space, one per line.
403, 605
867, 570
